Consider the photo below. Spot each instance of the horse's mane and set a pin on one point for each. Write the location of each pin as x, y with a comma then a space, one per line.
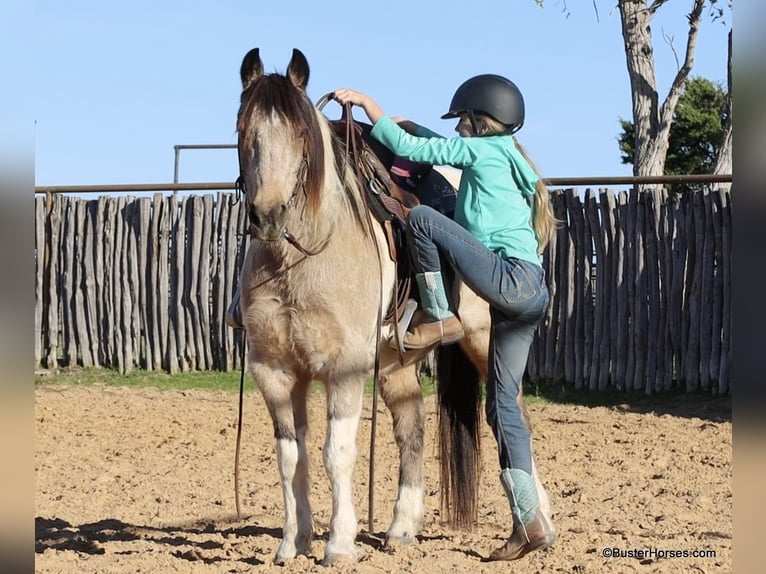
325, 154
273, 93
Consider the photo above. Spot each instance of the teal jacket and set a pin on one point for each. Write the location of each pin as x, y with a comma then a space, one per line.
496, 188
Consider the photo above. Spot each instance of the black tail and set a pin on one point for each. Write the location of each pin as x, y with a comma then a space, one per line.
459, 395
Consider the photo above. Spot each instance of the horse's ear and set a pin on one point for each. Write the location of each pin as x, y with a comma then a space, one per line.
251, 69
298, 70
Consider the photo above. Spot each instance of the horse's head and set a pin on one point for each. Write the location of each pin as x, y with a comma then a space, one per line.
281, 154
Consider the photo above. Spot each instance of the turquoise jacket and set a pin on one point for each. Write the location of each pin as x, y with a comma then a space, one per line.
496, 188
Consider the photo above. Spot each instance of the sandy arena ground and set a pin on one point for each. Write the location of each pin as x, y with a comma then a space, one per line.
140, 480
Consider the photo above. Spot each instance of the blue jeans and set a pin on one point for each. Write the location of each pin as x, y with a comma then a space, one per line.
518, 297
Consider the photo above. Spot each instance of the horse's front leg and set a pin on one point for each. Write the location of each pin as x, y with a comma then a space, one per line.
401, 393
344, 408
286, 401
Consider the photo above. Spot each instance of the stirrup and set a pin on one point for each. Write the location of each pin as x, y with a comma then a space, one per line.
233, 316
410, 306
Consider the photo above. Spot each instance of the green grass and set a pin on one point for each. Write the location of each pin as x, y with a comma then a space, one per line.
206, 380
209, 380
229, 381
698, 404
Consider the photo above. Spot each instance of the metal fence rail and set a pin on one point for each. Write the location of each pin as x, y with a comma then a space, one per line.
226, 185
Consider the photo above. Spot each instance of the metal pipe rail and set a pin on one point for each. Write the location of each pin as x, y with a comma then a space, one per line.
218, 186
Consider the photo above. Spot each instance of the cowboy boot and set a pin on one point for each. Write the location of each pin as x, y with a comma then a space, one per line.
442, 325
531, 528
234, 313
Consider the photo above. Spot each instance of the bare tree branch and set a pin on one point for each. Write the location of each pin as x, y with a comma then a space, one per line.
669, 106
656, 5
669, 41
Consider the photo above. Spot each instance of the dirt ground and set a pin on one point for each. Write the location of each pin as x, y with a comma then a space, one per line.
140, 480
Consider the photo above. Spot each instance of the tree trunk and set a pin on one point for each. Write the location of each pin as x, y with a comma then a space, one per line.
652, 122
724, 162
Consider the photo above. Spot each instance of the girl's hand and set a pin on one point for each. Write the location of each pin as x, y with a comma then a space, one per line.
349, 96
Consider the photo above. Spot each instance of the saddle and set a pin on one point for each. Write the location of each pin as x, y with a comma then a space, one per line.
392, 186
387, 200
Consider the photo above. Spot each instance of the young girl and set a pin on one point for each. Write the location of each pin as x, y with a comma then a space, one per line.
502, 222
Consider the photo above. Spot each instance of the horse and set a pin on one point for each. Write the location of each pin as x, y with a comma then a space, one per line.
315, 281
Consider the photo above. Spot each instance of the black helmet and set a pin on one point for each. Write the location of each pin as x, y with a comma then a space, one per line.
492, 95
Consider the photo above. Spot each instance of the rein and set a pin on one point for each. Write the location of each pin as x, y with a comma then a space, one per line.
351, 146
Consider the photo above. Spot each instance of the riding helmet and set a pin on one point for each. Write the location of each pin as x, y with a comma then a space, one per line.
492, 95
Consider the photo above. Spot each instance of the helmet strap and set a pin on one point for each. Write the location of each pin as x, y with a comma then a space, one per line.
473, 122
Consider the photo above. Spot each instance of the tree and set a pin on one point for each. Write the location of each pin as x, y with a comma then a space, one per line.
652, 119
696, 133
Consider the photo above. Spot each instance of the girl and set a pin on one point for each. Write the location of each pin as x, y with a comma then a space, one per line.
502, 222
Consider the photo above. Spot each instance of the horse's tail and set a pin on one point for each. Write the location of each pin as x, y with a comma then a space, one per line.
459, 396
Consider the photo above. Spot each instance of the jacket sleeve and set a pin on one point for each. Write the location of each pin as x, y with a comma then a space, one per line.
424, 132
432, 150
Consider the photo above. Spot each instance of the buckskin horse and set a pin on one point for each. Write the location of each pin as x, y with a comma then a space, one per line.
315, 278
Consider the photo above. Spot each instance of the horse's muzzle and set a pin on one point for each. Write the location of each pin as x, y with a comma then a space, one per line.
267, 224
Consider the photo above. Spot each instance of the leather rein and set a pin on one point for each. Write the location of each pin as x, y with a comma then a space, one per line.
351, 146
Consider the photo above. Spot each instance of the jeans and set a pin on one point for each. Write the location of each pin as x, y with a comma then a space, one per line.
518, 297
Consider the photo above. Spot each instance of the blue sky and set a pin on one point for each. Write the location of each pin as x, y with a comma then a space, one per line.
118, 84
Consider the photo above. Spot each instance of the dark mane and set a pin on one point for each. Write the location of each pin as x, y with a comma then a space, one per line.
274, 93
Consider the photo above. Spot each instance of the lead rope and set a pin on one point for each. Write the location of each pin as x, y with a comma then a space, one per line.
351, 142
239, 428
239, 191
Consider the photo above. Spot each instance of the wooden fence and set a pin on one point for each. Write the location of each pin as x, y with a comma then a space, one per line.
640, 287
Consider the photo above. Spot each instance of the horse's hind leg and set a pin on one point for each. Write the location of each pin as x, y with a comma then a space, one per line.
287, 405
401, 393
344, 408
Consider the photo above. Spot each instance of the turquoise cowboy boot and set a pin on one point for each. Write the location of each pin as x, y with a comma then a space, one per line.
442, 325
531, 530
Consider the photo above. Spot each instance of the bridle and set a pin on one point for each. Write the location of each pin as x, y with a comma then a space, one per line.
298, 188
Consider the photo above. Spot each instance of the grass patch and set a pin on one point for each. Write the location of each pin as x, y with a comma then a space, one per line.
205, 380
209, 380
672, 402
229, 381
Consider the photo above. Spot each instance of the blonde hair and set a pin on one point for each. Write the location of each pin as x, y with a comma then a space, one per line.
544, 223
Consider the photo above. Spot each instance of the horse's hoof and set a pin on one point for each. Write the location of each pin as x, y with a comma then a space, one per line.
335, 559
398, 540
288, 553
